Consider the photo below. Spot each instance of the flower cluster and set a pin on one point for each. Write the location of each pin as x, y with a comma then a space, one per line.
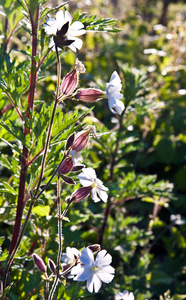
94, 271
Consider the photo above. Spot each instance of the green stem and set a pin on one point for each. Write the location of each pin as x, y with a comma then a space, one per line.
51, 123
54, 286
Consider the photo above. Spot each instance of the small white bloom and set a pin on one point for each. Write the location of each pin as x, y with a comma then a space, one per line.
88, 178
76, 157
124, 296
75, 29
94, 271
70, 255
113, 88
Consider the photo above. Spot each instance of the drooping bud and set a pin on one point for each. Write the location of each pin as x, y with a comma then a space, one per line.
95, 248
81, 193
39, 263
89, 95
66, 166
52, 266
81, 141
70, 141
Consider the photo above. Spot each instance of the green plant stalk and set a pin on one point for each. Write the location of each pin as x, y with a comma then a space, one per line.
51, 123
60, 241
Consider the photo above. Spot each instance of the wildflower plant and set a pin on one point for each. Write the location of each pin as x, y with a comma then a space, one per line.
36, 134
52, 169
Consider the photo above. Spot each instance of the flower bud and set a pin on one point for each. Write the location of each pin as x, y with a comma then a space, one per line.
81, 193
39, 263
95, 248
66, 166
81, 141
70, 82
89, 95
52, 266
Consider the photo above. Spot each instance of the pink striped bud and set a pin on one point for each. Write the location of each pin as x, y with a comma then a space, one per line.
70, 82
39, 263
89, 95
81, 141
66, 166
81, 193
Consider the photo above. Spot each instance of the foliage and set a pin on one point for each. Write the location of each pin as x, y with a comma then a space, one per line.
139, 156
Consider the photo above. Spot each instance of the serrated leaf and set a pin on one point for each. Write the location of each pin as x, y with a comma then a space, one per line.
15, 131
14, 147
8, 188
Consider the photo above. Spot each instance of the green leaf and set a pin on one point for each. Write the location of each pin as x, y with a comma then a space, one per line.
41, 210
8, 188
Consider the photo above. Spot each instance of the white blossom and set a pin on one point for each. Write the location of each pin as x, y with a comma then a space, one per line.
94, 271
70, 256
124, 296
75, 29
113, 88
88, 178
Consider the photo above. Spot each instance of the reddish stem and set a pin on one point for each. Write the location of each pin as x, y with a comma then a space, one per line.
23, 174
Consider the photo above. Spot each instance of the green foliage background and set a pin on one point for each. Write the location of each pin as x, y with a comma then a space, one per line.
140, 157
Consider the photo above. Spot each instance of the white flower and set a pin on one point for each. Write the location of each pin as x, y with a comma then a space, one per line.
76, 157
94, 271
88, 178
113, 88
70, 256
76, 29
124, 296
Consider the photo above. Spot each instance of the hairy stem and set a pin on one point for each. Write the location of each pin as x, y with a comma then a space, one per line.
60, 240
51, 123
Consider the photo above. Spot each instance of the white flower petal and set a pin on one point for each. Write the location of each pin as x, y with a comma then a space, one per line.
90, 283
95, 281
81, 274
78, 43
86, 256
94, 195
103, 195
105, 277
51, 44
116, 106
76, 29
103, 258
68, 17
113, 94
